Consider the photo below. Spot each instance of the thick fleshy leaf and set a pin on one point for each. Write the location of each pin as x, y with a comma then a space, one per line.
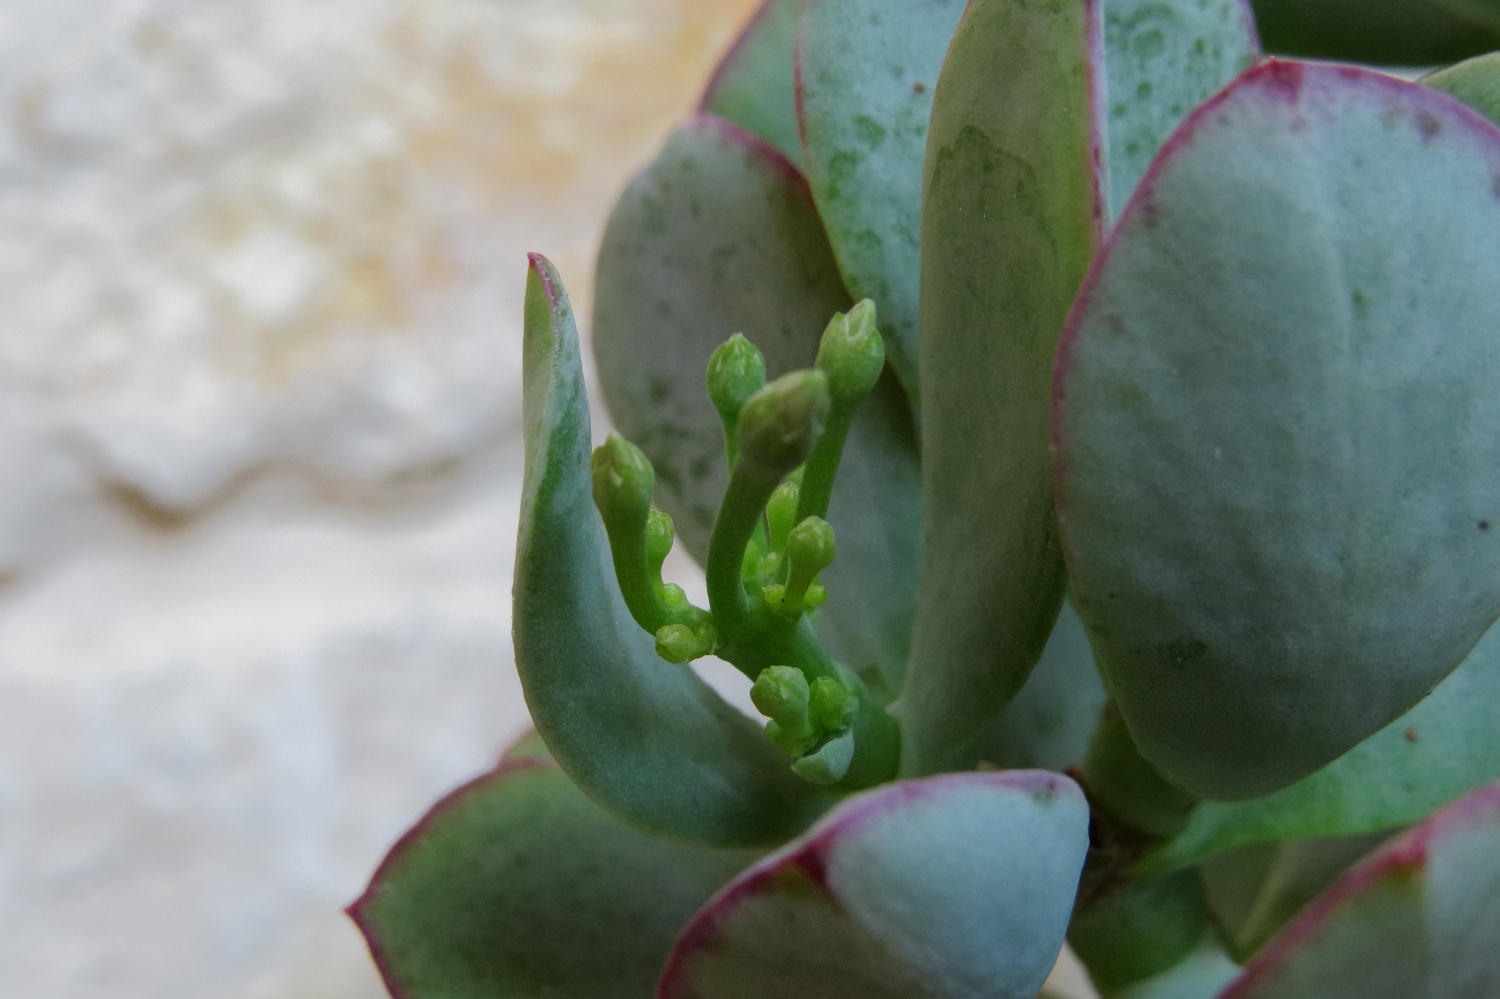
755, 84
954, 886
1445, 746
1163, 60
719, 236
517, 886
1475, 81
1012, 212
1383, 32
1048, 724
1276, 476
865, 77
1421, 917
647, 740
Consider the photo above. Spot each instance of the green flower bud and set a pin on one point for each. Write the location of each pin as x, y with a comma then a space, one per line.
623, 481
809, 550
781, 693
677, 643
779, 424
830, 704
736, 371
852, 355
781, 513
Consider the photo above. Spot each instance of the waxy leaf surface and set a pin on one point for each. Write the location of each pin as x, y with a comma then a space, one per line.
755, 84
1162, 60
517, 886
1012, 212
1276, 470
1048, 724
647, 740
719, 236
865, 78
953, 886
1421, 917
1446, 746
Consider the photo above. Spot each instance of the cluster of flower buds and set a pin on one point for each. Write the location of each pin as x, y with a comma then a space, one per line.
783, 440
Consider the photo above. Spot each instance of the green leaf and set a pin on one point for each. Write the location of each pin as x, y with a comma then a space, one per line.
517, 886
1475, 81
954, 886
1048, 724
1383, 32
755, 83
1163, 59
1198, 976
1484, 13
1445, 746
647, 740
1276, 474
1421, 917
866, 74
719, 236
1010, 222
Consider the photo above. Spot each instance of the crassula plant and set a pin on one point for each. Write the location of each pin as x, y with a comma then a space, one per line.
1089, 429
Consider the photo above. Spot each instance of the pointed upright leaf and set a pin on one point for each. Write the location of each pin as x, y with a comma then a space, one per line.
1421, 917
1447, 745
719, 236
647, 740
954, 887
755, 84
1164, 59
516, 886
865, 78
1276, 475
1014, 205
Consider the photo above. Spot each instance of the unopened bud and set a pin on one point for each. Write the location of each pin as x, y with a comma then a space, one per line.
779, 424
781, 513
781, 694
677, 643
623, 481
736, 371
852, 355
830, 704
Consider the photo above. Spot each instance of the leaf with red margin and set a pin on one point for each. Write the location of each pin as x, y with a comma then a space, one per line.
755, 84
1421, 917
954, 886
1275, 473
516, 886
647, 740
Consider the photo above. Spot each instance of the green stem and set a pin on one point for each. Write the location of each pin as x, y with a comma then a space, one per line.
823, 465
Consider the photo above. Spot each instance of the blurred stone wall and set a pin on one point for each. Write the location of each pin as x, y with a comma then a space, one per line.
261, 265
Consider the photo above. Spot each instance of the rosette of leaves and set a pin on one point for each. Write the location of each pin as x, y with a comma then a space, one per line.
1087, 428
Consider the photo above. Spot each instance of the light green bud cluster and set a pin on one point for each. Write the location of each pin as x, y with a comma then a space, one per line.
809, 722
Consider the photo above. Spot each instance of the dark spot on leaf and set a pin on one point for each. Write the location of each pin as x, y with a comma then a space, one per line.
1180, 655
919, 87
1411, 735
870, 131
1484, 525
701, 468
658, 391
1360, 303
1299, 124
1428, 125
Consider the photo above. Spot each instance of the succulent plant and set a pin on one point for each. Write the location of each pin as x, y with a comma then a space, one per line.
1088, 430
